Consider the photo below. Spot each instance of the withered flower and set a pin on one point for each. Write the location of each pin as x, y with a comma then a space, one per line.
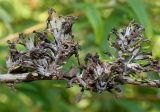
46, 56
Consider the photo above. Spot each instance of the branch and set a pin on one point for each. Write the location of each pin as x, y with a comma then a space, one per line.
26, 31
142, 97
151, 83
42, 25
32, 28
25, 77
48, 51
29, 77
130, 97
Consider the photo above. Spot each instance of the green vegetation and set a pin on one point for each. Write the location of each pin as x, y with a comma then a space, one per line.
96, 19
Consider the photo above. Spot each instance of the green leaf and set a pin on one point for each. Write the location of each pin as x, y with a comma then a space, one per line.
95, 20
131, 106
5, 17
139, 9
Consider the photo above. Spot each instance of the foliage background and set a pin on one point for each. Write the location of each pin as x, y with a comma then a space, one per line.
96, 18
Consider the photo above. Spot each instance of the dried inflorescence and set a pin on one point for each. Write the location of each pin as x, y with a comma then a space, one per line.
47, 51
128, 44
43, 55
131, 60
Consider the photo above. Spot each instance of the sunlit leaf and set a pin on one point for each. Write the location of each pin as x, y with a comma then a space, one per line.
95, 19
5, 17
140, 10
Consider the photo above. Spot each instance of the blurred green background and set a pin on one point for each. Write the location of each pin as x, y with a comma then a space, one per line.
96, 19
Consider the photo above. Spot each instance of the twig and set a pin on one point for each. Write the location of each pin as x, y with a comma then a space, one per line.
44, 58
139, 97
142, 97
26, 31
42, 25
29, 77
151, 83
25, 77
31, 29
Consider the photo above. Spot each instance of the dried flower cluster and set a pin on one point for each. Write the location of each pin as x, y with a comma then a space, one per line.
47, 51
43, 55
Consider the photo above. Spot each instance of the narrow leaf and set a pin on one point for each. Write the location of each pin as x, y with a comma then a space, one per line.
139, 9
95, 20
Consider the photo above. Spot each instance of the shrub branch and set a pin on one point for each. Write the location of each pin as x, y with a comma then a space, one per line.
47, 51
